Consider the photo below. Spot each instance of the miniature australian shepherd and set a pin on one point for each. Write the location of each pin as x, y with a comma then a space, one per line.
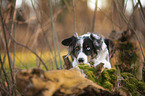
88, 48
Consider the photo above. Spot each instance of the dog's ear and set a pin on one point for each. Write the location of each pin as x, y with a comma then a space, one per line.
110, 46
69, 41
97, 41
107, 42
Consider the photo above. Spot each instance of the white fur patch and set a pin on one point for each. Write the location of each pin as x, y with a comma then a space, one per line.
84, 56
103, 57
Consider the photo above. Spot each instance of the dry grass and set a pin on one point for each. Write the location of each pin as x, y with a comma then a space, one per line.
26, 60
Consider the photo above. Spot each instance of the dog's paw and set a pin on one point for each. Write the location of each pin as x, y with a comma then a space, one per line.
105, 63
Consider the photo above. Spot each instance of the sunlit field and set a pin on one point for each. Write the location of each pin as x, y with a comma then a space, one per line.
26, 60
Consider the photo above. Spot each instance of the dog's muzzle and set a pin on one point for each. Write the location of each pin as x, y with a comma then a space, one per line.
81, 60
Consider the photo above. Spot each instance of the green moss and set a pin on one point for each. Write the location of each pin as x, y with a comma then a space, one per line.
111, 71
126, 75
105, 75
141, 87
113, 79
107, 85
127, 57
132, 88
89, 71
107, 78
133, 81
135, 86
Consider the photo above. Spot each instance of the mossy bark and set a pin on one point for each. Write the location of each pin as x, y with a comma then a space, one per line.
143, 70
129, 64
36, 82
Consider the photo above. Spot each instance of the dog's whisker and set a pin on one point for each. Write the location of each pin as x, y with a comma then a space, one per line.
67, 55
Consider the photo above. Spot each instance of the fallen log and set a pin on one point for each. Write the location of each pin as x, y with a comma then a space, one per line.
36, 82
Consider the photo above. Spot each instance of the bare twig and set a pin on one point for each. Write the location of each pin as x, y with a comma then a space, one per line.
30, 50
22, 46
45, 25
109, 19
5, 74
43, 32
125, 4
141, 8
120, 21
3, 43
5, 91
67, 5
41, 26
7, 50
142, 11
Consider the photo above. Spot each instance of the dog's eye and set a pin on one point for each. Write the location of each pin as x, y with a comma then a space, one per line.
88, 48
77, 48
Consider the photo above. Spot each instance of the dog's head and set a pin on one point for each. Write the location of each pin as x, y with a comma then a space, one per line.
85, 47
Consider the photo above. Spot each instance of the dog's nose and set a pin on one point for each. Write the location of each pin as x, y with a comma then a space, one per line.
81, 60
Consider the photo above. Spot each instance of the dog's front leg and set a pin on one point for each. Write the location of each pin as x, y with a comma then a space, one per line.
105, 62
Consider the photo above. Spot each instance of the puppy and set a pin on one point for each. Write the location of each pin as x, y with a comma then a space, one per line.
88, 48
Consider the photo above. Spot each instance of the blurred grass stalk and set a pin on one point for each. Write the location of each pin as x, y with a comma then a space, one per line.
143, 22
55, 39
13, 31
94, 17
74, 17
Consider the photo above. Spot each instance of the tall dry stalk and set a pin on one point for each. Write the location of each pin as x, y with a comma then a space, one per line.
74, 17
55, 39
94, 17
142, 10
13, 26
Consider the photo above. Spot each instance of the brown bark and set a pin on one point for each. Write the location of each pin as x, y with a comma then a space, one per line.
36, 82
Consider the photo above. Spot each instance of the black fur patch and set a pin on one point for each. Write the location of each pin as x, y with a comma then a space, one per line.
88, 47
97, 43
69, 41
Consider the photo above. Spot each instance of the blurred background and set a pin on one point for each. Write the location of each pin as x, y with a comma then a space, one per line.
31, 31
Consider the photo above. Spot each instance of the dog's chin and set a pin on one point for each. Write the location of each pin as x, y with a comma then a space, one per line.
84, 63
75, 63
81, 63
